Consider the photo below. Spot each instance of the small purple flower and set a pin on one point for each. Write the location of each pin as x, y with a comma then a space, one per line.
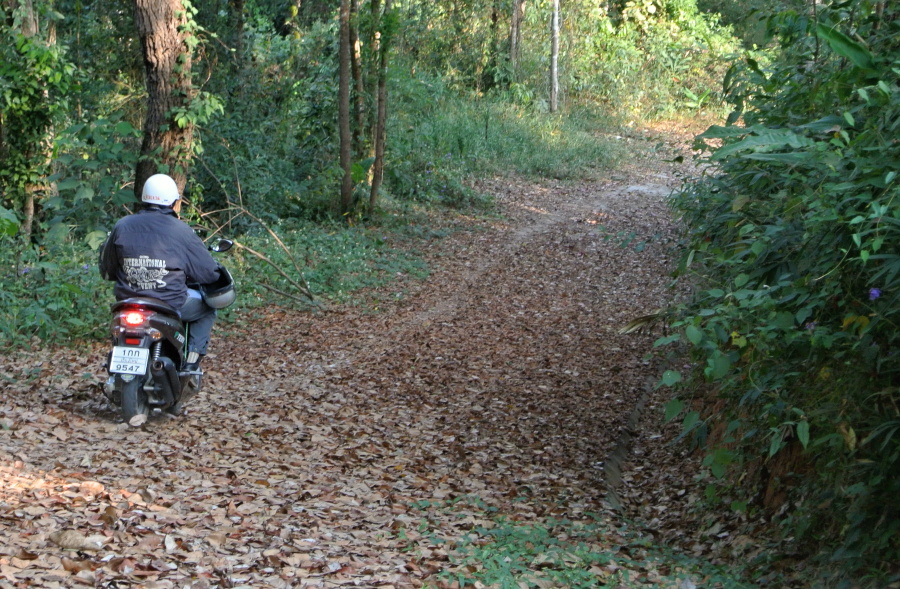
811, 325
86, 267
874, 293
26, 270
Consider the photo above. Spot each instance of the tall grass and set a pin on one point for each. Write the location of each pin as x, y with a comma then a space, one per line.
440, 139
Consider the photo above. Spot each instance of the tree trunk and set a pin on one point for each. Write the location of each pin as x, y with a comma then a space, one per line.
356, 71
492, 73
166, 147
381, 115
554, 58
374, 53
515, 35
27, 14
344, 108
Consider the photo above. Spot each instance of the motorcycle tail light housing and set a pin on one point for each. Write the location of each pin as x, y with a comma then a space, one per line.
133, 318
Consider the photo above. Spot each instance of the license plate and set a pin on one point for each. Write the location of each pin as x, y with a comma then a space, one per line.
126, 360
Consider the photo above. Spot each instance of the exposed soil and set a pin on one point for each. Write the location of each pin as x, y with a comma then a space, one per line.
321, 441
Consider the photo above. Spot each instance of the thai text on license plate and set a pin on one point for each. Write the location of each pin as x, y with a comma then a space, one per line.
126, 360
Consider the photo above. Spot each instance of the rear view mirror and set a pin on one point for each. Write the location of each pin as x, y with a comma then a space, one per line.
222, 246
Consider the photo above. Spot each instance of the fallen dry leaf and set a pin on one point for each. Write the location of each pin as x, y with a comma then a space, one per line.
72, 540
75, 566
321, 443
91, 488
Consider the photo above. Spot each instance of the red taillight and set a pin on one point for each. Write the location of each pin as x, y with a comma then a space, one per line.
130, 341
134, 318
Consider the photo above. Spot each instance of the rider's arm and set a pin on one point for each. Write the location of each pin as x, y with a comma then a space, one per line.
109, 259
200, 267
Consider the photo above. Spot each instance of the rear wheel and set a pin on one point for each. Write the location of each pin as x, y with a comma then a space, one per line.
135, 407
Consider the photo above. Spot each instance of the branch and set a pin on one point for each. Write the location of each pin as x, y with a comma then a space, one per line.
301, 286
286, 294
235, 211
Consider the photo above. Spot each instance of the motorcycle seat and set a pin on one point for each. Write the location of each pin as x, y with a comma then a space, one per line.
147, 303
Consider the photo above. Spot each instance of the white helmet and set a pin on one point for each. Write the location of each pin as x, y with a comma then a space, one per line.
160, 189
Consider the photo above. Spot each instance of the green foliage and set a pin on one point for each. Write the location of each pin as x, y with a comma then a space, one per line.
440, 139
52, 293
794, 242
748, 17
337, 261
95, 162
35, 78
55, 293
644, 58
548, 552
636, 60
9, 222
274, 147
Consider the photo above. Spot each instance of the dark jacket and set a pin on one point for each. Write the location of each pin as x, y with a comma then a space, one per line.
152, 253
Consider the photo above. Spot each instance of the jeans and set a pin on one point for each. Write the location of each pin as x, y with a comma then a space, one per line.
201, 318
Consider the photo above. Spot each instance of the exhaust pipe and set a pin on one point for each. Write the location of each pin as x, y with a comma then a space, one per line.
165, 374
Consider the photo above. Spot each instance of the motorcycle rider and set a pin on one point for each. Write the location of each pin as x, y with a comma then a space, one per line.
152, 253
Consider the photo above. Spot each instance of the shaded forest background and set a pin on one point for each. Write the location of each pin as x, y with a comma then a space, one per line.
321, 134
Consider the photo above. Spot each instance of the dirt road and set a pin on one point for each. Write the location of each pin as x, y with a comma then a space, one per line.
499, 385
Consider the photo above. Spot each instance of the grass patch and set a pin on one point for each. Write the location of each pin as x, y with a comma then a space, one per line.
451, 139
498, 551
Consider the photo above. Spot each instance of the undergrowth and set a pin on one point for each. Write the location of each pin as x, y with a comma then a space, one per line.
508, 553
55, 293
442, 138
792, 240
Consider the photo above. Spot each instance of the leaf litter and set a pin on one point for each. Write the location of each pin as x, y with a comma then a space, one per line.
360, 449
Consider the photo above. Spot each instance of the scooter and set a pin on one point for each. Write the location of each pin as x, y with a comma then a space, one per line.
147, 362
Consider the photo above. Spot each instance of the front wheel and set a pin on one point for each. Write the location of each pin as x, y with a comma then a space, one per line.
135, 407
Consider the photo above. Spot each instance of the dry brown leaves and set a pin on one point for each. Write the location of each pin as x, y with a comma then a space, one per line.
502, 378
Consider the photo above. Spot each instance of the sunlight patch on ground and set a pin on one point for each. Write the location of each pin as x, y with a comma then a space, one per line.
18, 485
531, 209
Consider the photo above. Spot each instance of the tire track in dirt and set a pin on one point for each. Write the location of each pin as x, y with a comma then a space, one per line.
511, 361
501, 379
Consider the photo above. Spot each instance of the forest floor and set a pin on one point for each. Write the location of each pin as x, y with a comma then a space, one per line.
384, 447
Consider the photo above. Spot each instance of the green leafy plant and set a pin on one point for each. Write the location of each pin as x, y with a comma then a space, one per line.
548, 552
792, 246
53, 293
35, 78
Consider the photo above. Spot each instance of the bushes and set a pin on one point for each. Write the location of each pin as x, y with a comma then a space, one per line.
648, 62
53, 293
794, 241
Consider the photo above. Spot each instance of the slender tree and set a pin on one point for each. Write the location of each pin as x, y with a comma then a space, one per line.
380, 132
29, 29
374, 52
356, 70
492, 75
515, 35
554, 58
237, 16
163, 26
344, 107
